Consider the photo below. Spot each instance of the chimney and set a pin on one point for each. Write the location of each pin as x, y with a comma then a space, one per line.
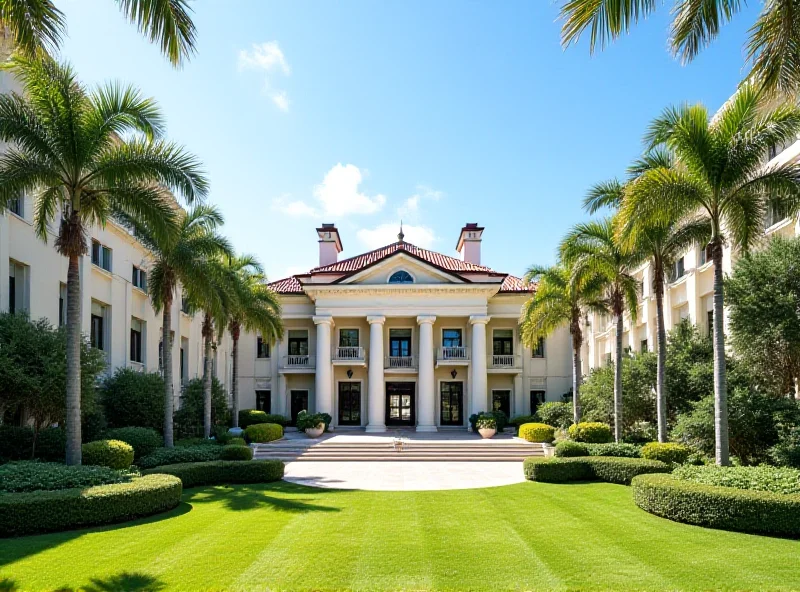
330, 245
469, 243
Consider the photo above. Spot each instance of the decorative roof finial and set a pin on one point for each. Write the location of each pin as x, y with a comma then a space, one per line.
400, 235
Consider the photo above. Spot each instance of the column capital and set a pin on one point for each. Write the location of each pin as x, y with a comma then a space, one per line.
322, 320
422, 319
372, 319
479, 319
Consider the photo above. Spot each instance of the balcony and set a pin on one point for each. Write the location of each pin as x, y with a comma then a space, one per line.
352, 356
452, 356
297, 363
506, 363
401, 363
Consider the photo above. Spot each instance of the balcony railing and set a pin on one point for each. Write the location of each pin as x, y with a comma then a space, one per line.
505, 361
298, 361
455, 354
349, 354
401, 361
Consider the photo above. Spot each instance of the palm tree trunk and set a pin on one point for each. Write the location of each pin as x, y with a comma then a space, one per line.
73, 417
235, 364
207, 377
166, 355
618, 382
720, 377
576, 381
661, 361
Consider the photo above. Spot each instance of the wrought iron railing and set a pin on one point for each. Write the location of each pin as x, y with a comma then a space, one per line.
349, 353
401, 361
505, 361
453, 353
298, 361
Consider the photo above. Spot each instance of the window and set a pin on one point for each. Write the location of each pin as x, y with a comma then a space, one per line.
97, 334
451, 338
706, 254
101, 255
184, 304
62, 304
608, 358
139, 278
401, 277
184, 362
538, 351
710, 321
677, 270
348, 337
399, 343
503, 342
262, 348
17, 206
137, 329
264, 401
17, 287
537, 398
643, 346
298, 343
776, 212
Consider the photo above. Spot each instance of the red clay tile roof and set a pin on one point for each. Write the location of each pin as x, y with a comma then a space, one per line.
292, 285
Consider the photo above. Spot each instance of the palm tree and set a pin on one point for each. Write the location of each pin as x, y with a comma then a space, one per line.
719, 173
178, 259
773, 46
591, 249
662, 244
254, 307
37, 25
560, 299
89, 157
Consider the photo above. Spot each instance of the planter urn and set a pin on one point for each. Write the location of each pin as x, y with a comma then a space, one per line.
487, 432
315, 432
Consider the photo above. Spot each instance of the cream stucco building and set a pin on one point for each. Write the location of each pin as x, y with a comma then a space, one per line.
402, 336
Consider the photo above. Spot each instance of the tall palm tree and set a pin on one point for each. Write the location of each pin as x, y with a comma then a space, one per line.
773, 46
662, 244
592, 250
87, 158
37, 25
254, 307
178, 259
719, 173
560, 299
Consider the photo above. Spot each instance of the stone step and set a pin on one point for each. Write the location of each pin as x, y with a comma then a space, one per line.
394, 458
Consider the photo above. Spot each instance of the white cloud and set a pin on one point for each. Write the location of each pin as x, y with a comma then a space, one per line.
281, 100
410, 208
339, 193
385, 234
264, 56
292, 208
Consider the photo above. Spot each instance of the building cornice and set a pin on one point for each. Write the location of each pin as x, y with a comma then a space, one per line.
314, 291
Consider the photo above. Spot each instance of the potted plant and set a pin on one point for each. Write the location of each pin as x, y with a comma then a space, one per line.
487, 425
312, 425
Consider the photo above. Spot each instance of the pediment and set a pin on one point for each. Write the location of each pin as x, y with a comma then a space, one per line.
420, 271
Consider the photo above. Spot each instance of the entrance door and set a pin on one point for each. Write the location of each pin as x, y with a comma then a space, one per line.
400, 403
452, 404
350, 403
299, 402
501, 401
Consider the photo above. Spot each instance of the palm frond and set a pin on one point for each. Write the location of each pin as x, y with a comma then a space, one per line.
605, 19
603, 195
697, 22
166, 22
35, 25
773, 48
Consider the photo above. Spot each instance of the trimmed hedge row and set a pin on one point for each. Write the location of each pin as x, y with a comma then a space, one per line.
143, 440
236, 452
223, 472
726, 508
569, 448
48, 511
248, 417
181, 454
589, 468
668, 452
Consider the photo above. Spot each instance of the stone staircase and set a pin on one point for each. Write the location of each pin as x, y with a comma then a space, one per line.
411, 451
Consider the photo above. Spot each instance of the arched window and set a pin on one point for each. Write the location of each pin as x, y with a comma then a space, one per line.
401, 277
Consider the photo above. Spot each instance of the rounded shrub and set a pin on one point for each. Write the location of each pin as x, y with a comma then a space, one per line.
263, 432
224, 473
568, 448
143, 440
114, 454
180, 454
726, 508
234, 452
49, 511
237, 442
537, 432
591, 432
554, 413
248, 417
589, 468
668, 452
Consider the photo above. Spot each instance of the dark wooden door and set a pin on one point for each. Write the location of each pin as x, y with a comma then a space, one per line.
350, 403
299, 402
400, 403
501, 401
452, 404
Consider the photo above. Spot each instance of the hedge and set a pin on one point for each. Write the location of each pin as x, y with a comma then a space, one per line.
616, 449
17, 443
223, 472
143, 440
236, 452
668, 452
726, 508
114, 454
248, 417
22, 476
263, 432
180, 454
591, 432
589, 468
568, 448
537, 432
48, 511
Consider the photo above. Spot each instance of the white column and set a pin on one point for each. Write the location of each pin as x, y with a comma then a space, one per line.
322, 382
426, 421
478, 398
377, 398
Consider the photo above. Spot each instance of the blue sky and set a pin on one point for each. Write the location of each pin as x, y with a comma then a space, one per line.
441, 113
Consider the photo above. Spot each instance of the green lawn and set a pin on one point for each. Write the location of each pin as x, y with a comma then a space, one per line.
531, 536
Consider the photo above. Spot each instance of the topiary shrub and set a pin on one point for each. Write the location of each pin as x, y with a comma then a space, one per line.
518, 420
263, 432
48, 511
233, 452
114, 454
237, 442
22, 476
248, 417
668, 452
143, 440
556, 414
718, 507
537, 432
568, 448
132, 398
588, 468
592, 432
180, 454
224, 473
613, 449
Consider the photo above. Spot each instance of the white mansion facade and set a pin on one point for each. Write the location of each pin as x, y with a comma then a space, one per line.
402, 336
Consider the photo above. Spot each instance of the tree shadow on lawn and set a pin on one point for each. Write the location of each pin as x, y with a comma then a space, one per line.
122, 582
253, 497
